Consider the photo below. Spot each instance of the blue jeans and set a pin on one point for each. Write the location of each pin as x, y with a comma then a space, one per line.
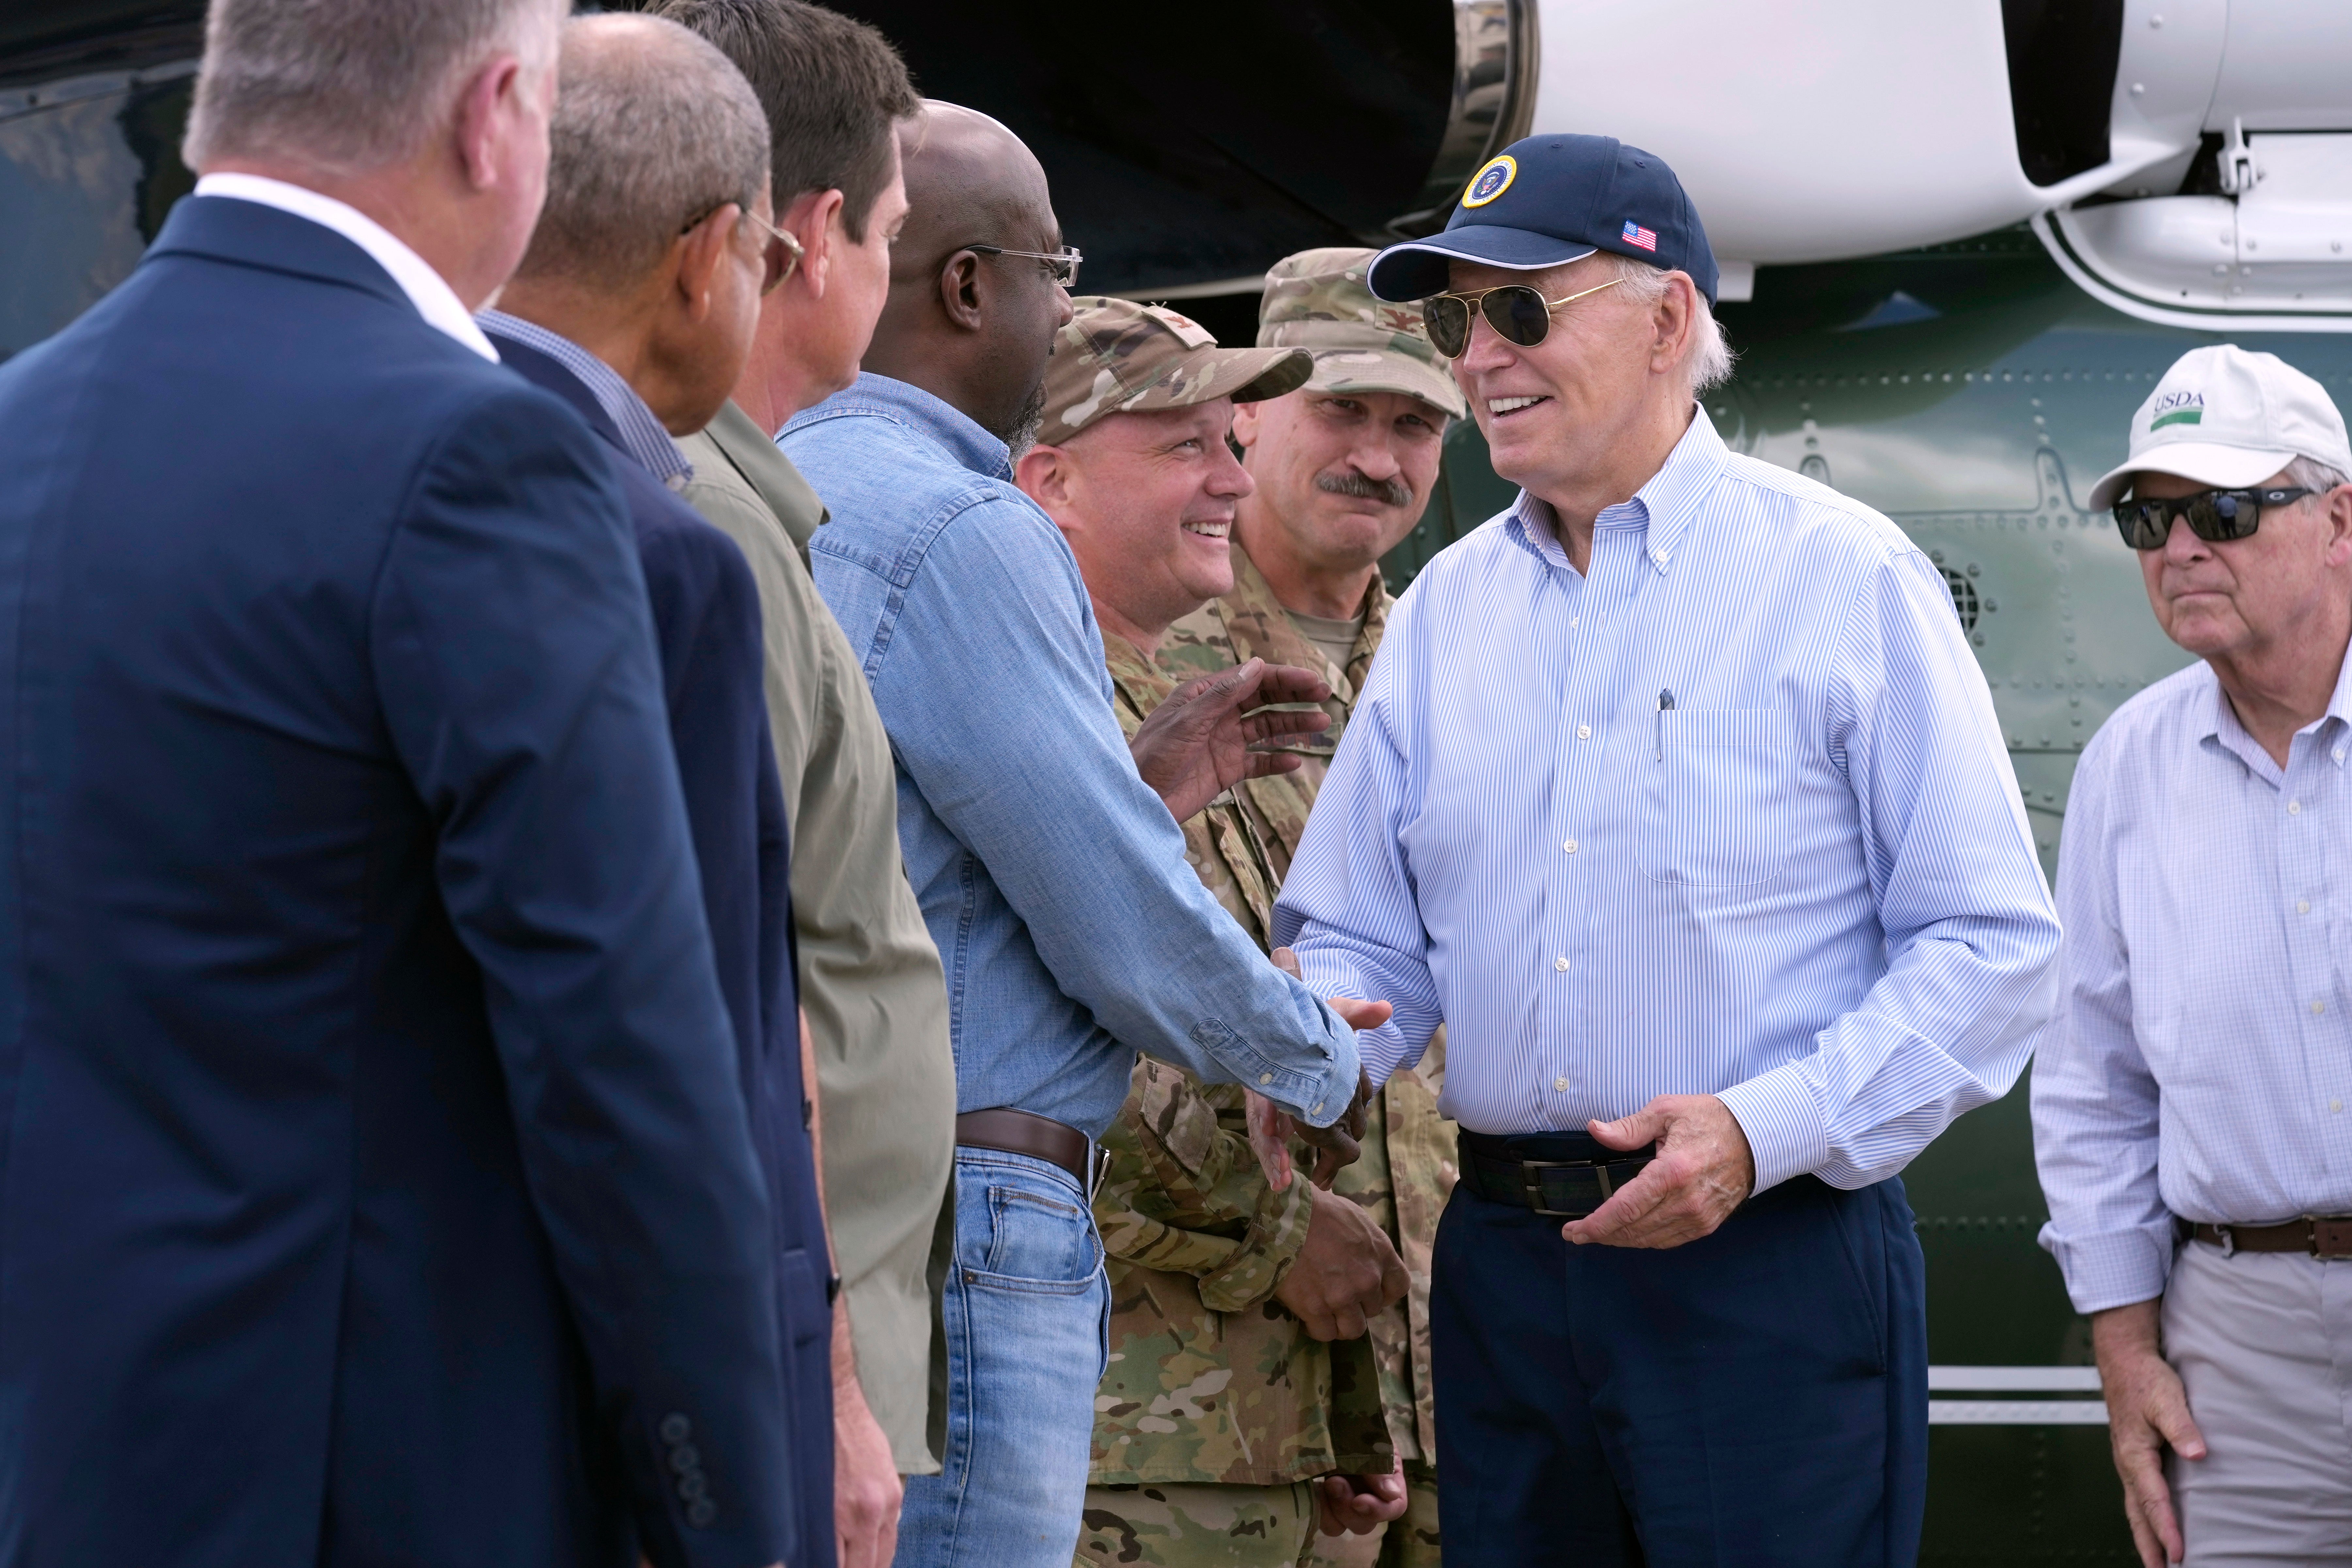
1028, 1312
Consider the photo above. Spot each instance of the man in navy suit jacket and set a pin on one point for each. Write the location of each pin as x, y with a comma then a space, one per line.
377, 1183
651, 248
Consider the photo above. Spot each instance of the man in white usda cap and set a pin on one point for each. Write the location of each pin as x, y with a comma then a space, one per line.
2192, 1114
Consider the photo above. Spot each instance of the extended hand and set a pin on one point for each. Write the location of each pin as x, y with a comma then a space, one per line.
1704, 1170
1337, 1146
1357, 1505
2147, 1411
1346, 1271
1203, 739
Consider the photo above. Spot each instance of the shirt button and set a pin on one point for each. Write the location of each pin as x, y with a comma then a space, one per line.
2319, 1006
2303, 906
1266, 1078
1584, 731
2335, 1105
2294, 808
1560, 1084
1317, 1110
1561, 963
1567, 846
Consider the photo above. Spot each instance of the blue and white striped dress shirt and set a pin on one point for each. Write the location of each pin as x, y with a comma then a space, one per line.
2202, 1064
1728, 814
641, 433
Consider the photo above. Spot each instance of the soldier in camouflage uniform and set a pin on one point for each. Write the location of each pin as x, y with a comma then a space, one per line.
1221, 1407
1343, 469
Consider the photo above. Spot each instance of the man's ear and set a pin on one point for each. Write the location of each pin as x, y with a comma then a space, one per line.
1672, 321
1046, 476
1244, 431
813, 218
697, 256
963, 294
491, 102
2338, 502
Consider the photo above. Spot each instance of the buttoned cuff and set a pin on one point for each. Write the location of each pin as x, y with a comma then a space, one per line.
1787, 1134
1277, 1232
2113, 1268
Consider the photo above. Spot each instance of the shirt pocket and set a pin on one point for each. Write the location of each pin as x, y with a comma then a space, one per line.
1723, 771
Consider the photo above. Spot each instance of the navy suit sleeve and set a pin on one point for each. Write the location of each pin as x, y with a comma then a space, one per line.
517, 670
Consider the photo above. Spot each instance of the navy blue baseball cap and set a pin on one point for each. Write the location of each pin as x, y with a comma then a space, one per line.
1547, 200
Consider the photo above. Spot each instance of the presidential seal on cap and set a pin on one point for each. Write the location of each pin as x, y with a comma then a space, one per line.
1319, 300
1119, 357
2229, 419
1546, 201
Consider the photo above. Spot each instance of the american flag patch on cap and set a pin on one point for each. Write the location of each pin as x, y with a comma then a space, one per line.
1636, 234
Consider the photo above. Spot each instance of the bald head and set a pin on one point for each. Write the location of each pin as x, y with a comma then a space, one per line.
970, 329
654, 128
968, 181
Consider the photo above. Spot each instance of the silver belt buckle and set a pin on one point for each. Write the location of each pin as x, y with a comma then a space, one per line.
2331, 1237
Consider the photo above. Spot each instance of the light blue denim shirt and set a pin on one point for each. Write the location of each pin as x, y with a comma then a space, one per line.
1053, 879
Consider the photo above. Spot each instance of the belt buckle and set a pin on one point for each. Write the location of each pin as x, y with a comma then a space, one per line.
1531, 1180
2331, 1237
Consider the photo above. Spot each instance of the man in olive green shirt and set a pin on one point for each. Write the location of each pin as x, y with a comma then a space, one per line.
871, 984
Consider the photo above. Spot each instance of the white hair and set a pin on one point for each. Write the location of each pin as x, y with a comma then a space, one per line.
2311, 474
1706, 362
345, 85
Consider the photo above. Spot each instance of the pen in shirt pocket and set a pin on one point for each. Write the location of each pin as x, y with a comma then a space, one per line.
1665, 700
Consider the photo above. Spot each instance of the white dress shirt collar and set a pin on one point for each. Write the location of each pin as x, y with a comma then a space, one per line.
1666, 505
433, 299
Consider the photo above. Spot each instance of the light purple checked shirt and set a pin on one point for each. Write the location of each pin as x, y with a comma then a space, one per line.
2202, 1066
1730, 813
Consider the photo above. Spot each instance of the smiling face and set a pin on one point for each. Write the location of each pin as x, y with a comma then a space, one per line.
1147, 502
1557, 412
2238, 598
1344, 476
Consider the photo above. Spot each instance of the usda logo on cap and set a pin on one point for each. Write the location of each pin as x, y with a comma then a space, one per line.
2176, 408
1491, 182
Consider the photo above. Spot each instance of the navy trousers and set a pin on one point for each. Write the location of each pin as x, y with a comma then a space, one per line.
1759, 1397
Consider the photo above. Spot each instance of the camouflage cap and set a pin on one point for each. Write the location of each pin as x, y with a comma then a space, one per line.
1318, 300
1119, 357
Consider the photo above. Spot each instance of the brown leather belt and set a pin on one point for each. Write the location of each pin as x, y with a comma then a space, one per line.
1009, 1131
2321, 1235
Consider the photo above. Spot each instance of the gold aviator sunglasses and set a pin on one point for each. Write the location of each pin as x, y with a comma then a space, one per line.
1518, 313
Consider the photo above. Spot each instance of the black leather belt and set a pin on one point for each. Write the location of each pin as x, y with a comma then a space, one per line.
1010, 1131
1501, 1170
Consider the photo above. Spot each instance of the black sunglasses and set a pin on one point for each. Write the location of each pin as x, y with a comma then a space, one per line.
1519, 314
2214, 516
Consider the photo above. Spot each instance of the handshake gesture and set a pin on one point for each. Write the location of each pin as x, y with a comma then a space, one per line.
1336, 1146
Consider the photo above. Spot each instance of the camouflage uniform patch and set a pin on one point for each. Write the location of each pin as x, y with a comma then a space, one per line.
1178, 1526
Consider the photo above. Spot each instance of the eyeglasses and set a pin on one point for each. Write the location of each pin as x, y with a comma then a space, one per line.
2214, 516
1519, 314
1063, 263
781, 254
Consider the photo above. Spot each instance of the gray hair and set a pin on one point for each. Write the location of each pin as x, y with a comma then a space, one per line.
2311, 474
345, 85
654, 130
1706, 362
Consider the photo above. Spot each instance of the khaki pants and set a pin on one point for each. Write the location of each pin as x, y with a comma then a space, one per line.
2264, 1343
1197, 1526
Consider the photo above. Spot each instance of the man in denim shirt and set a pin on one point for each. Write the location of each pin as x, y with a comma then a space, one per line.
1052, 876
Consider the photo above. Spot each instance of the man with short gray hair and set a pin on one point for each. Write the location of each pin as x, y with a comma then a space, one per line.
2189, 1114
378, 1180
1676, 795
